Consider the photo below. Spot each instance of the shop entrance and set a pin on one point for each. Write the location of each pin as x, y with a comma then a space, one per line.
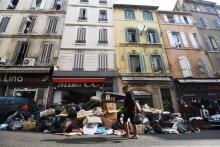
29, 93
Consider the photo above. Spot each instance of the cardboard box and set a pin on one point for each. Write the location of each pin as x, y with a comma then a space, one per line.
109, 106
92, 120
28, 125
111, 116
107, 122
83, 114
140, 129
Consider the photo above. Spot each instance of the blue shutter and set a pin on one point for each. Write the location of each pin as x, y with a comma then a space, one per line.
142, 62
126, 35
157, 37
163, 64
129, 63
137, 35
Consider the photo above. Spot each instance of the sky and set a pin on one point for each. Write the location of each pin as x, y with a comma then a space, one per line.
163, 4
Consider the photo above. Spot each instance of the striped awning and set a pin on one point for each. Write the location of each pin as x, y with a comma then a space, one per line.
25, 69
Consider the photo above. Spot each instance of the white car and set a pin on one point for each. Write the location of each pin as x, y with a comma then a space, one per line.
214, 120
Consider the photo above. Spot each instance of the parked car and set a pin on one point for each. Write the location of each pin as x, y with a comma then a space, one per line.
9, 105
214, 120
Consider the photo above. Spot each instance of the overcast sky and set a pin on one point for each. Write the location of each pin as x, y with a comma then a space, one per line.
163, 4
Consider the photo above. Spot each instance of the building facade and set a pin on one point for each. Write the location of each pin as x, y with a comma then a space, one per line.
189, 61
30, 37
86, 64
141, 58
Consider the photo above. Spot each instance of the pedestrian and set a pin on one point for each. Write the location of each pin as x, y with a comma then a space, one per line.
129, 112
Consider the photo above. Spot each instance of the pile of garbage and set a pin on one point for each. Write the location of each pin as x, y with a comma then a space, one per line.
97, 117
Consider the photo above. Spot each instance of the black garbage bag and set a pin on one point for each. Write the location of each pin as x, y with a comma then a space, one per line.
158, 129
138, 119
148, 130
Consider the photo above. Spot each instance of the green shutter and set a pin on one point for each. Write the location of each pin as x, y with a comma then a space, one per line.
126, 35
129, 63
142, 62
157, 36
163, 64
137, 35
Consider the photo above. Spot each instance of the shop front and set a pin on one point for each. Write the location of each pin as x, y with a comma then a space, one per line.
79, 89
157, 92
29, 82
196, 93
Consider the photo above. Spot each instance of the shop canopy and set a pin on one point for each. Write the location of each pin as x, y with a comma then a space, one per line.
199, 80
22, 69
78, 80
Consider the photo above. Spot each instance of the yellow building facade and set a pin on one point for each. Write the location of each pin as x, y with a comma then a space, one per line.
141, 59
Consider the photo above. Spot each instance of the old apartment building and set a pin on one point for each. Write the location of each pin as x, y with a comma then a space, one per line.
30, 37
141, 58
86, 64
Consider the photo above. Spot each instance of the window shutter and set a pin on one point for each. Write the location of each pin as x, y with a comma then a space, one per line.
33, 6
142, 62
129, 63
4, 23
17, 50
204, 67
49, 28
21, 28
137, 35
126, 35
54, 25
218, 42
189, 20
185, 66
165, 18
157, 36
177, 20
193, 40
205, 22
185, 43
182, 19
33, 20
163, 64
43, 3
170, 36
208, 43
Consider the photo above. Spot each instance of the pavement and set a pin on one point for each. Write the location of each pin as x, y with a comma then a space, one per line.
207, 138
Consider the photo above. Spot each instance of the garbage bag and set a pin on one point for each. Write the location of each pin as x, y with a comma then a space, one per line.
158, 129
148, 130
138, 120
3, 126
15, 125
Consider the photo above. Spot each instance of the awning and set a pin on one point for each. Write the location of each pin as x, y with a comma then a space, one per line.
142, 95
198, 80
78, 80
25, 69
163, 79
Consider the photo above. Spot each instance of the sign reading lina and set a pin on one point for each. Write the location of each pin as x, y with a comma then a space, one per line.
10, 79
79, 85
22, 79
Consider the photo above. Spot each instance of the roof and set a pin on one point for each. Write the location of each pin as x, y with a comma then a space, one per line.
25, 69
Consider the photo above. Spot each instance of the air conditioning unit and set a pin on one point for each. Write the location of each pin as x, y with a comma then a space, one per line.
29, 62
3, 60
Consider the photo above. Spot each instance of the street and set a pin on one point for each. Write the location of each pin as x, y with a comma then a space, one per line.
31, 139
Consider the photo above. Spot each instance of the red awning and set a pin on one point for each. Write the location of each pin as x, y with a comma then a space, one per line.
78, 80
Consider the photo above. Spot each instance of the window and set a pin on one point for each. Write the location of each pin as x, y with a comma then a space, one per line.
156, 62
167, 99
83, 14
136, 63
27, 24
196, 8
84, 1
81, 35
185, 19
194, 40
170, 18
102, 1
78, 61
103, 36
13, 4
52, 25
58, 5
3, 24
217, 23
211, 10
38, 4
177, 39
203, 22
129, 14
103, 15
21, 50
213, 43
46, 52
147, 15
152, 36
132, 35
103, 61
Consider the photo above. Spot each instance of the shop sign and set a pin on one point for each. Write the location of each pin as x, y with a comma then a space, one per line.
80, 85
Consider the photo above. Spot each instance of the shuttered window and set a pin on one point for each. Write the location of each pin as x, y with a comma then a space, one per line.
103, 61
194, 40
13, 4
84, 1
103, 36
103, 1
83, 14
4, 22
21, 50
78, 61
147, 15
132, 35
129, 14
81, 35
136, 63
217, 23
157, 64
152, 36
27, 24
52, 25
46, 52
38, 4
203, 23
185, 66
